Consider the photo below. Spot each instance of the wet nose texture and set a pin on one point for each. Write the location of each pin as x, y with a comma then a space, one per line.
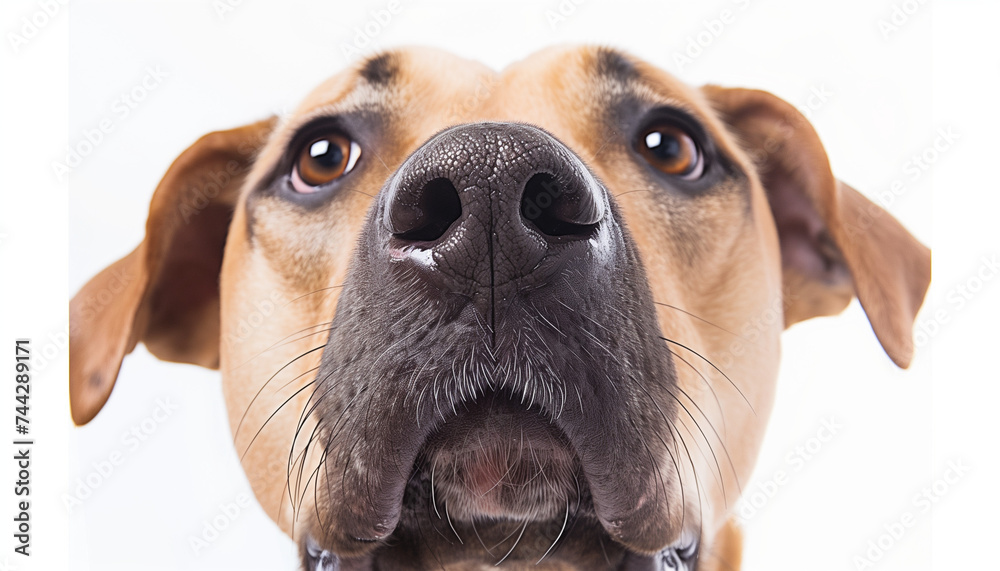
492, 204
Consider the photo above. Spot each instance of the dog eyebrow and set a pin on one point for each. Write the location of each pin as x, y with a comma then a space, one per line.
623, 80
614, 65
380, 70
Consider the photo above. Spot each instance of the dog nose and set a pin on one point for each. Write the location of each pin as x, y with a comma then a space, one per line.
490, 203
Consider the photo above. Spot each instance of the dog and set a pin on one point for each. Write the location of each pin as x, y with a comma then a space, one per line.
527, 318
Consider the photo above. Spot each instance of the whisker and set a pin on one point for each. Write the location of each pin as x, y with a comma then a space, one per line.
518, 540
301, 461
504, 540
715, 395
360, 192
652, 462
444, 537
604, 550
335, 430
697, 480
429, 544
481, 542
287, 341
284, 341
451, 525
315, 474
704, 437
702, 320
714, 367
604, 143
433, 498
725, 449
379, 157
276, 411
631, 191
718, 466
303, 418
313, 292
259, 391
561, 530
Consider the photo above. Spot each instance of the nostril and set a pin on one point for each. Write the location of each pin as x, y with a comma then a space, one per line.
555, 210
426, 215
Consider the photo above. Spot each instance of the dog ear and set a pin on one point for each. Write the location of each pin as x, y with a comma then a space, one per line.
835, 243
164, 293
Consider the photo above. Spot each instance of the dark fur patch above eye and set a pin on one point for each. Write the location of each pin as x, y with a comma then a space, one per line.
381, 69
610, 63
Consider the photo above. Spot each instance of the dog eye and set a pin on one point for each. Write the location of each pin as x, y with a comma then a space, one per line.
322, 160
671, 150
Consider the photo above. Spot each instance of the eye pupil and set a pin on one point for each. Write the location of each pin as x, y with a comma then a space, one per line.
326, 155
664, 148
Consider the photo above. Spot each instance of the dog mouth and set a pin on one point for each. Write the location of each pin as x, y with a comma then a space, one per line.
500, 478
497, 480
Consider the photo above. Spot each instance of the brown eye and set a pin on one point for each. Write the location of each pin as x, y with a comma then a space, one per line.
671, 150
322, 160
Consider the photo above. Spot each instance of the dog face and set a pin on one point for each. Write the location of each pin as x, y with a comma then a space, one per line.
465, 317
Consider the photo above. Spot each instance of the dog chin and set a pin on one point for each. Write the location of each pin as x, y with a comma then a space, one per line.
498, 458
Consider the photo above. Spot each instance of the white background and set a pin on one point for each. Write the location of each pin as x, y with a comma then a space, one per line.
889, 96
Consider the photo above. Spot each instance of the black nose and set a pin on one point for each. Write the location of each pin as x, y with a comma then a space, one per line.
490, 203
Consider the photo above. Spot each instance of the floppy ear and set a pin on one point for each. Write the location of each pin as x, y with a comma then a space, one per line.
164, 293
835, 243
